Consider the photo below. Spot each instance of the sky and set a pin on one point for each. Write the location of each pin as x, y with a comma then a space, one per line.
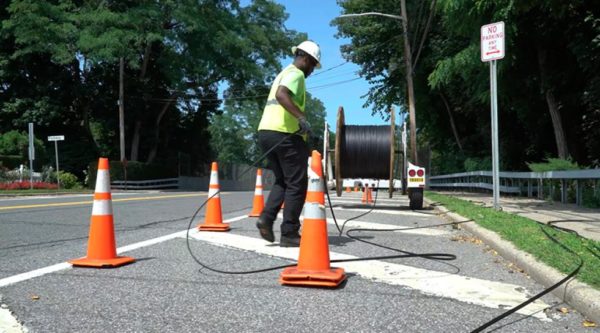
314, 17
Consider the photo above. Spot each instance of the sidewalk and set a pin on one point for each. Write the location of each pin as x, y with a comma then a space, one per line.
584, 221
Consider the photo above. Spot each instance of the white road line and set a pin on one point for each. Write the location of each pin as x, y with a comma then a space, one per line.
33, 274
65, 265
470, 290
379, 201
465, 289
370, 225
387, 211
8, 323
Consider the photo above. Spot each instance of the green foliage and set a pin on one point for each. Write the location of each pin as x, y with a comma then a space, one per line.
553, 164
477, 164
14, 145
528, 236
135, 171
59, 68
233, 133
451, 82
68, 180
10, 161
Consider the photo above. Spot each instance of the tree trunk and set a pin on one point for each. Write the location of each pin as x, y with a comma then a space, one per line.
452, 124
553, 105
135, 142
409, 83
154, 149
81, 104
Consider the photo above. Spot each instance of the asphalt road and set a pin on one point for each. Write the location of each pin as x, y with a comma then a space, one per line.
165, 290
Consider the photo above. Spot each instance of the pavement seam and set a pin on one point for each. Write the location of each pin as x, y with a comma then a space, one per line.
579, 295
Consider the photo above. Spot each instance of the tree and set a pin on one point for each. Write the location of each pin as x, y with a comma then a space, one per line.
177, 55
548, 81
234, 132
407, 32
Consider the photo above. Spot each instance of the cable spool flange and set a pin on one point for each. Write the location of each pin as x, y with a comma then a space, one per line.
363, 152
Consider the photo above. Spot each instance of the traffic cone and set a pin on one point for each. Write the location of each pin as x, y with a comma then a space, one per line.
102, 251
369, 195
364, 195
347, 189
213, 219
259, 200
313, 267
355, 188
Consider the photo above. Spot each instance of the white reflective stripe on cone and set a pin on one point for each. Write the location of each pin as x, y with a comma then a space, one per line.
315, 185
214, 177
313, 210
212, 191
258, 180
311, 173
103, 181
102, 207
258, 191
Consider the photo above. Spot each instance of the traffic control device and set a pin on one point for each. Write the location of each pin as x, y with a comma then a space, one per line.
213, 219
102, 250
313, 267
258, 204
367, 197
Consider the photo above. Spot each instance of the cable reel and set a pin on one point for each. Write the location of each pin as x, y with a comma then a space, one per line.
362, 152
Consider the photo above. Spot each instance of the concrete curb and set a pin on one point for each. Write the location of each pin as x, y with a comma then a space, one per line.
579, 295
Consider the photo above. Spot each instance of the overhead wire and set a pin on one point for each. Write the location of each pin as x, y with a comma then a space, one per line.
183, 94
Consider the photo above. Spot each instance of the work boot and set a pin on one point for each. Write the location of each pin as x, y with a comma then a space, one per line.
266, 230
292, 240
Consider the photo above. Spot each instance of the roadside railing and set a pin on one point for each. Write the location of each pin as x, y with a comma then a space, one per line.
145, 184
566, 186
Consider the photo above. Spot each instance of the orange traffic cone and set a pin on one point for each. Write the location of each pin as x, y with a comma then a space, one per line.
347, 189
102, 251
369, 195
259, 200
364, 195
213, 219
313, 267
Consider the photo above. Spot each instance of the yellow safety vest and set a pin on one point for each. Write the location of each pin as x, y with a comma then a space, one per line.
275, 117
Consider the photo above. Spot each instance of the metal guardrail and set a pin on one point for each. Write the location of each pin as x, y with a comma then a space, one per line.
520, 182
145, 184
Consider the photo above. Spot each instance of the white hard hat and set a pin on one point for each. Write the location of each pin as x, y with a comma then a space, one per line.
311, 48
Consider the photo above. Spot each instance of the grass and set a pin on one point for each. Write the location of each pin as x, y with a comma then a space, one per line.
527, 235
19, 193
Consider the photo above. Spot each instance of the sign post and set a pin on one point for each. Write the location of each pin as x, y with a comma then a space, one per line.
492, 49
56, 138
31, 155
405, 164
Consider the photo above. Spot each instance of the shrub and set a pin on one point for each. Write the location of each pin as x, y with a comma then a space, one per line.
68, 180
553, 164
477, 164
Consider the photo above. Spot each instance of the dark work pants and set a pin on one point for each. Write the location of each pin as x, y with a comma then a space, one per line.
289, 163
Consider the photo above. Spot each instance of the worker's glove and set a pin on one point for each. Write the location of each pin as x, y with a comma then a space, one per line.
304, 126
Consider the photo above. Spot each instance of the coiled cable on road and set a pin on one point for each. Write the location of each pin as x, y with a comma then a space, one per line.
431, 256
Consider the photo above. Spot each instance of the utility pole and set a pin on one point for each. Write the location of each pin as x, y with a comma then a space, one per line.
409, 83
121, 111
409, 70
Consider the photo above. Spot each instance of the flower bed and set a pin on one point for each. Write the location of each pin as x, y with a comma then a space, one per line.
26, 185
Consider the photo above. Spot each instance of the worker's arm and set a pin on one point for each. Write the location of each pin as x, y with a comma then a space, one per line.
283, 96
